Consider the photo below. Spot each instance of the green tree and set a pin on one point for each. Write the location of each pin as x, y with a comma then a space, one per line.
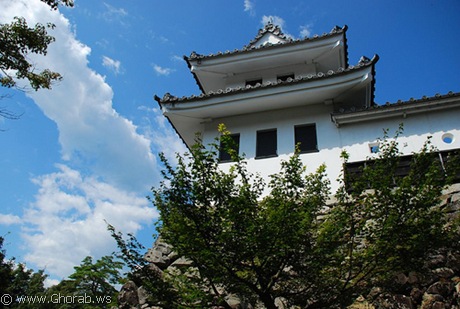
92, 285
162, 292
291, 244
17, 280
17, 41
91, 280
259, 248
384, 223
98, 278
6, 271
26, 282
5, 267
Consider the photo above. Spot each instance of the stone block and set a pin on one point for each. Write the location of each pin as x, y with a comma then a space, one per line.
454, 188
444, 272
436, 260
455, 197
429, 300
440, 288
127, 297
401, 279
161, 254
416, 295
403, 302
438, 305
142, 295
181, 262
413, 278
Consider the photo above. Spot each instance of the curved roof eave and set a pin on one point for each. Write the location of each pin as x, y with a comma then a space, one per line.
398, 109
334, 32
364, 63
194, 56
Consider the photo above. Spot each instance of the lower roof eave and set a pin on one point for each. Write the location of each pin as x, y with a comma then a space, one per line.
397, 110
292, 95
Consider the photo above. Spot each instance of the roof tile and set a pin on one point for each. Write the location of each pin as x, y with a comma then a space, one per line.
168, 98
276, 30
411, 101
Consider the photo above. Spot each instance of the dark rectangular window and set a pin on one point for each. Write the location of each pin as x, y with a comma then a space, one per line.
254, 82
267, 144
224, 156
284, 78
305, 136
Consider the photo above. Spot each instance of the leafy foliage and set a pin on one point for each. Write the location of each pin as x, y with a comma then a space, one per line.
55, 3
388, 223
5, 268
404, 206
17, 41
285, 240
92, 285
97, 278
141, 272
17, 280
256, 247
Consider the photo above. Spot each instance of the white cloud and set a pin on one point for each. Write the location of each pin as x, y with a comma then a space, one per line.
158, 38
177, 58
90, 130
162, 71
305, 31
50, 282
249, 7
109, 164
9, 219
67, 220
276, 20
113, 65
113, 13
164, 137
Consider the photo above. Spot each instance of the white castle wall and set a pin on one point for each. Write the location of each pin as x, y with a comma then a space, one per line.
354, 138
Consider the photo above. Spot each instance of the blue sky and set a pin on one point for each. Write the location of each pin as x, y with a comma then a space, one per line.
87, 151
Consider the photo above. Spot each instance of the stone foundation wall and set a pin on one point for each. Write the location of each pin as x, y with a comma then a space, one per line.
437, 288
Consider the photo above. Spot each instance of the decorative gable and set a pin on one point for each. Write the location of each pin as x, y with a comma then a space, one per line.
270, 35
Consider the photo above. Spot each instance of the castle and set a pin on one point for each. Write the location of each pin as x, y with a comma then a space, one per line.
277, 92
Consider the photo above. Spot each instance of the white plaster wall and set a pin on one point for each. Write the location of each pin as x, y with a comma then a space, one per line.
354, 138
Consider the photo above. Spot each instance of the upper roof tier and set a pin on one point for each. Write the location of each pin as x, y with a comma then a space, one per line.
270, 55
344, 88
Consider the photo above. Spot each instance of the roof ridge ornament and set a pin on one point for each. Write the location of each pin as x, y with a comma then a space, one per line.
269, 27
363, 60
336, 29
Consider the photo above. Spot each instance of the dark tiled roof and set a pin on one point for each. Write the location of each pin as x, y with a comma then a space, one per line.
276, 31
364, 62
399, 103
